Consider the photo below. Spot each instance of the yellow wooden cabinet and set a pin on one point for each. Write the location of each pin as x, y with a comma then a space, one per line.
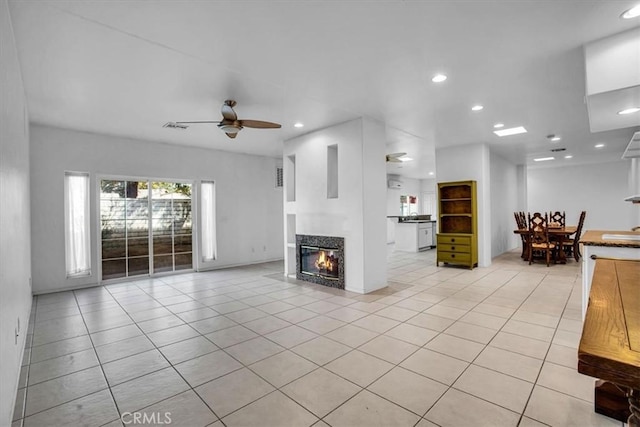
457, 240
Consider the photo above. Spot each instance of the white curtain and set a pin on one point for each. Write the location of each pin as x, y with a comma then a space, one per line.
208, 211
77, 235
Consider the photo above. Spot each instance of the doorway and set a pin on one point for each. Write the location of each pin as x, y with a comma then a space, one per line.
146, 227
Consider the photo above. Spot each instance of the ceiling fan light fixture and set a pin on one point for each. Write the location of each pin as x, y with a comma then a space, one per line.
230, 128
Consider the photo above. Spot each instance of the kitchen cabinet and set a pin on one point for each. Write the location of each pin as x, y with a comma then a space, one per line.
605, 244
414, 235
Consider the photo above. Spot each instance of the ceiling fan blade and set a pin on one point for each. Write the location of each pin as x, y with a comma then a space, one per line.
227, 110
395, 157
187, 123
231, 135
258, 124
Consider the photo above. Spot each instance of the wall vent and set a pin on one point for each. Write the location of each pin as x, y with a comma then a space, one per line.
279, 177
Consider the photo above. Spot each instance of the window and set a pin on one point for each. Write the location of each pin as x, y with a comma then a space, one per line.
208, 212
77, 240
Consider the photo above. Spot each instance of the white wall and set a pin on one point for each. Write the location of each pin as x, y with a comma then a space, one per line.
471, 162
359, 213
504, 201
248, 208
599, 189
15, 241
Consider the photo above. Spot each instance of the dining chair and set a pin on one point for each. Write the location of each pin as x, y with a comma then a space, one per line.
558, 217
521, 223
574, 244
539, 237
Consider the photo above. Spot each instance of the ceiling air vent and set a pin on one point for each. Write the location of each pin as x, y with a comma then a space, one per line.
279, 177
557, 150
173, 125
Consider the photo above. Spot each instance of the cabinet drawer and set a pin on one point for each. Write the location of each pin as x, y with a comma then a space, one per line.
459, 249
444, 256
443, 239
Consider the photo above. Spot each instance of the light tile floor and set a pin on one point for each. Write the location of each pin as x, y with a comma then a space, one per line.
245, 346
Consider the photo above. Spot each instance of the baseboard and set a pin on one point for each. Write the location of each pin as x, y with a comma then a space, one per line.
221, 267
21, 343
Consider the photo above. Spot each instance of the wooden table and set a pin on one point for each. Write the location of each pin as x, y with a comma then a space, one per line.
559, 234
610, 344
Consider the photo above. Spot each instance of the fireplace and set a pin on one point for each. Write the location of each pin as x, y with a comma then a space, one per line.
320, 259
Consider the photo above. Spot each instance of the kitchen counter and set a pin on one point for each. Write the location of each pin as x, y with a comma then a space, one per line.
605, 244
616, 239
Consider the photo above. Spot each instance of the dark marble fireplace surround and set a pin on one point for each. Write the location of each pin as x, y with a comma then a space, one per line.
324, 242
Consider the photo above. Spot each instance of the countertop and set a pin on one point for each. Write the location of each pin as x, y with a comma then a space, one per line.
595, 238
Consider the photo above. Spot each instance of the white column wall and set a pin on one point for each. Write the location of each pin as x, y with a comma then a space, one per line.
599, 189
504, 201
471, 162
361, 205
249, 223
374, 180
15, 229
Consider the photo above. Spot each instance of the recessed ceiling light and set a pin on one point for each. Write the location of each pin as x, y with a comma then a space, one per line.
543, 159
439, 78
553, 138
430, 173
477, 108
634, 12
599, 145
568, 156
405, 159
629, 111
510, 131
298, 125
498, 125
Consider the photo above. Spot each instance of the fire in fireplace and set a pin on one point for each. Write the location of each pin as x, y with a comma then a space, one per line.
321, 262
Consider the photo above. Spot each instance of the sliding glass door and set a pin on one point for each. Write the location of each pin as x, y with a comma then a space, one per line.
137, 240
172, 226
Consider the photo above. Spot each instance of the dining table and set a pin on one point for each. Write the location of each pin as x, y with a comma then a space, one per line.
557, 234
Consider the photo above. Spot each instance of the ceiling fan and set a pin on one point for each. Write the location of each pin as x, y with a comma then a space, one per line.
397, 158
230, 124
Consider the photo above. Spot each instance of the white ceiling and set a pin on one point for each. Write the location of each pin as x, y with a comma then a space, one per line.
127, 67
